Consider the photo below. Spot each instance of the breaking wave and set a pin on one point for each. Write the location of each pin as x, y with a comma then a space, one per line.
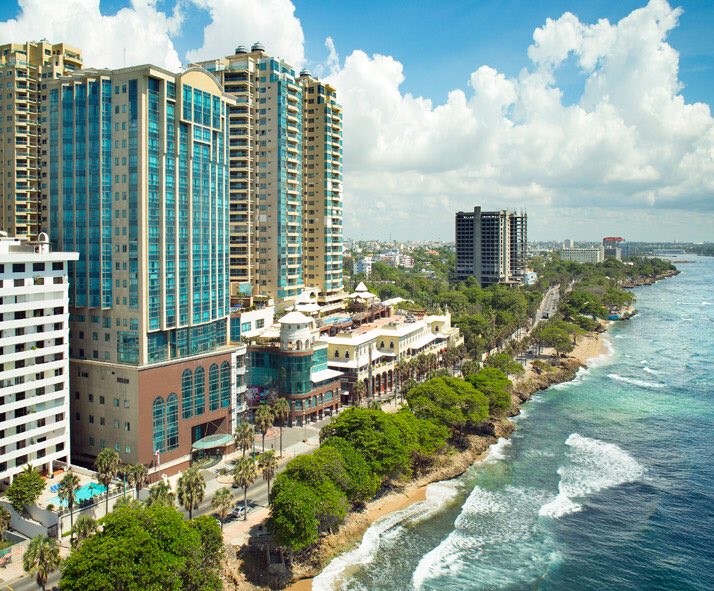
635, 382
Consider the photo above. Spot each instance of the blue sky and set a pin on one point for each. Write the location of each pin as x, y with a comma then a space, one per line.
593, 127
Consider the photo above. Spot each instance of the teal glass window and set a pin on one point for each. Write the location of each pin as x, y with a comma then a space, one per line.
187, 394
213, 388
199, 391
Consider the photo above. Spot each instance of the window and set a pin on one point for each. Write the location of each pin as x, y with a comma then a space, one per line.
225, 384
158, 413
260, 323
172, 422
116, 402
199, 391
213, 393
187, 394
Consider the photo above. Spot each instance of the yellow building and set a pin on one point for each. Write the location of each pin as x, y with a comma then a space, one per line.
322, 188
24, 69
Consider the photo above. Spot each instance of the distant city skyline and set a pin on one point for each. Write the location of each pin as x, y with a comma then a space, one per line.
595, 126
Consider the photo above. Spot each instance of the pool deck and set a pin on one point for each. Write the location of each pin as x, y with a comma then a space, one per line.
48, 496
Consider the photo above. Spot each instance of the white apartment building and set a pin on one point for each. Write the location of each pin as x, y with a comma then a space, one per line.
34, 355
595, 254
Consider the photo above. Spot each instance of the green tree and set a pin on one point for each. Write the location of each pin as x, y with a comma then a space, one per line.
107, 466
161, 494
505, 363
268, 463
41, 558
147, 548
85, 527
244, 437
191, 489
222, 502
497, 388
5, 521
281, 411
263, 420
293, 521
66, 492
363, 483
26, 488
244, 475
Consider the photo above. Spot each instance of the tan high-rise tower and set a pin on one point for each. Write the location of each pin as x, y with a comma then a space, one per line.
322, 188
25, 68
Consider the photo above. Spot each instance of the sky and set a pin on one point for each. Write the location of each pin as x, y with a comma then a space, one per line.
593, 116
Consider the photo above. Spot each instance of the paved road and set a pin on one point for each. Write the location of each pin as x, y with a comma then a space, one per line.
28, 584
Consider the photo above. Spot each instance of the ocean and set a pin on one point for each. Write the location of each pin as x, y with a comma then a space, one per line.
607, 483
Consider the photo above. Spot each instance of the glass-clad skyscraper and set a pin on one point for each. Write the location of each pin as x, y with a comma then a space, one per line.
138, 185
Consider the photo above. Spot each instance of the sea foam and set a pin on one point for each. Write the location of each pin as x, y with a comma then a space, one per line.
389, 527
635, 382
593, 466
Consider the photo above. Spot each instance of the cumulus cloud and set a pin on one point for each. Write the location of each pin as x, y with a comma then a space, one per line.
630, 143
137, 34
243, 22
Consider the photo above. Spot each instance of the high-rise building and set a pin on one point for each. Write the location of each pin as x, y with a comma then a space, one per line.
615, 247
138, 184
491, 246
322, 188
595, 254
24, 69
266, 173
34, 360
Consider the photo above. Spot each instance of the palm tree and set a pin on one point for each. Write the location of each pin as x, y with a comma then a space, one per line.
85, 528
244, 437
107, 466
358, 392
137, 475
67, 488
41, 558
161, 494
263, 420
244, 475
281, 411
5, 520
222, 502
268, 463
191, 488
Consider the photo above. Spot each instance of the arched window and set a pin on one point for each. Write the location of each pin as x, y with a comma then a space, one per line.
337, 353
187, 394
214, 401
225, 384
381, 345
199, 391
391, 344
172, 438
347, 354
159, 416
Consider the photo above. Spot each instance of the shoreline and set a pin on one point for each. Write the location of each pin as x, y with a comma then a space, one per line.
590, 347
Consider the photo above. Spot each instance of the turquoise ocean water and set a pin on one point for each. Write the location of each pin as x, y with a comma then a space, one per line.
608, 482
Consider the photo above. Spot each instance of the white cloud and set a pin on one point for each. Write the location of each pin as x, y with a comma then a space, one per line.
630, 144
243, 22
137, 34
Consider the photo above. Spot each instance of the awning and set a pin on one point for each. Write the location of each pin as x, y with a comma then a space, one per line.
324, 375
213, 441
422, 342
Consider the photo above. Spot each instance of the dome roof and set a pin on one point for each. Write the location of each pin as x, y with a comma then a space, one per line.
295, 318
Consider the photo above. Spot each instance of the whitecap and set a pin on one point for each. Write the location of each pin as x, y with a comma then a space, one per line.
438, 494
498, 450
649, 370
635, 382
706, 303
593, 466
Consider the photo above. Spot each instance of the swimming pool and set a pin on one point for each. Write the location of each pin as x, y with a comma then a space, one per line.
337, 320
83, 493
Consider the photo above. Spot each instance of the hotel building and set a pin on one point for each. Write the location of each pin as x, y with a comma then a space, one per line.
25, 69
137, 163
34, 360
596, 254
491, 246
265, 171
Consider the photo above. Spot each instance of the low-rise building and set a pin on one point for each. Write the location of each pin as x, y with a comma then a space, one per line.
595, 254
34, 356
292, 363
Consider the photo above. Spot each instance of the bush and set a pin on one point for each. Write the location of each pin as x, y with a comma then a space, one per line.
497, 388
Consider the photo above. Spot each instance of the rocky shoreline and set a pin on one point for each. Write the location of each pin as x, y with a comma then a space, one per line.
641, 281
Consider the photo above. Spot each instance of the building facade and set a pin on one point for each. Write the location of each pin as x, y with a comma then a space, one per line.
25, 69
615, 247
265, 171
322, 188
34, 356
596, 254
491, 246
294, 366
138, 185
